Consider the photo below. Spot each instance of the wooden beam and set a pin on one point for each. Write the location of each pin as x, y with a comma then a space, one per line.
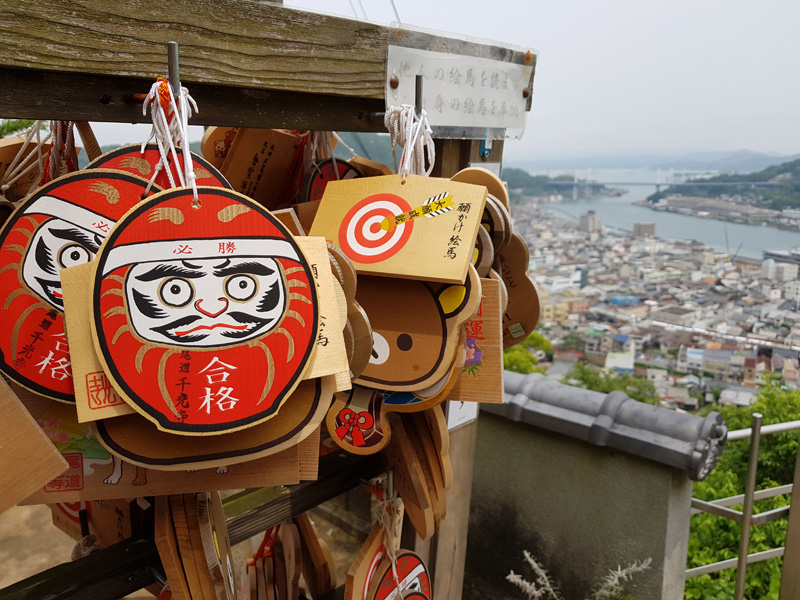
29, 94
241, 43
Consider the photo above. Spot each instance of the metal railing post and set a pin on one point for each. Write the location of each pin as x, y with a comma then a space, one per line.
747, 508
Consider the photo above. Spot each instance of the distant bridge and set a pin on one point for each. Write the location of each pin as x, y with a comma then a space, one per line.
587, 183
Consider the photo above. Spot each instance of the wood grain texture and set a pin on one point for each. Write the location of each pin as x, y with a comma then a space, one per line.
230, 42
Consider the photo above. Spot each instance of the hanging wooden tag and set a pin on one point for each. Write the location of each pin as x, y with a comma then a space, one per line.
95, 397
252, 582
185, 547
269, 576
200, 556
424, 229
290, 541
364, 567
110, 521
330, 355
412, 575
261, 581
168, 551
480, 176
496, 223
433, 395
344, 271
409, 480
422, 440
131, 160
415, 329
195, 308
61, 225
288, 217
216, 144
307, 212
356, 423
360, 332
482, 373
28, 459
484, 252
323, 173
216, 543
437, 425
503, 290
259, 164
139, 442
522, 313
315, 566
370, 168
95, 474
431, 478
280, 579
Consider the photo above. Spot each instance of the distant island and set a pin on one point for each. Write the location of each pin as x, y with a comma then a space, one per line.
524, 187
770, 196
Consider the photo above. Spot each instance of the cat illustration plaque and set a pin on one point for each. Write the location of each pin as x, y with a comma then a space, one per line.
61, 225
204, 318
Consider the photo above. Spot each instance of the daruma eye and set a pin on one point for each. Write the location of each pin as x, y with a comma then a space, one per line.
176, 292
241, 287
73, 254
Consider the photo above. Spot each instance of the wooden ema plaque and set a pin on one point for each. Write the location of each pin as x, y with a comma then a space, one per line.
415, 329
412, 575
94, 473
480, 176
319, 572
423, 229
522, 313
365, 566
132, 160
28, 459
61, 225
262, 164
194, 308
322, 173
482, 374
97, 399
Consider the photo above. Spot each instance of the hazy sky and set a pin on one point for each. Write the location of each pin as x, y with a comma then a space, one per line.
636, 76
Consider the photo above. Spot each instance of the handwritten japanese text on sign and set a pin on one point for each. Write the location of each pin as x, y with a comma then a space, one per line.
460, 91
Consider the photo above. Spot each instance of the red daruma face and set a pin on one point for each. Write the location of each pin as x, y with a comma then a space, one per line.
204, 317
62, 225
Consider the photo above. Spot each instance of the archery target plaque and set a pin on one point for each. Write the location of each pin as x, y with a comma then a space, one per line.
61, 225
424, 228
204, 318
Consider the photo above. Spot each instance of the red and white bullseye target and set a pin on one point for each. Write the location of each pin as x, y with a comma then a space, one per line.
364, 236
72, 509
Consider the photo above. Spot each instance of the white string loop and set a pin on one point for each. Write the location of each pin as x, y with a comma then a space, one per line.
414, 134
388, 512
26, 160
171, 132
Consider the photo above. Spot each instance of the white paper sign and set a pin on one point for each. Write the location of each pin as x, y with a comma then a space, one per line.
461, 413
460, 91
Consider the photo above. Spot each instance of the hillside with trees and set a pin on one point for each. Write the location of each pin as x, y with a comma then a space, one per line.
784, 194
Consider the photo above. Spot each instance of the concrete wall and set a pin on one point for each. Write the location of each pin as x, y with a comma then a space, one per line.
578, 508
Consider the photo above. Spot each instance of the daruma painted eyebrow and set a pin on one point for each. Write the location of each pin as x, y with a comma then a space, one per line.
250, 268
165, 270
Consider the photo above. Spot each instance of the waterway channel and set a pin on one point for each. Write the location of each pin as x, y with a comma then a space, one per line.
618, 212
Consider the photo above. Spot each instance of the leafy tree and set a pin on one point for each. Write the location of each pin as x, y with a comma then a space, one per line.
599, 380
519, 360
572, 341
713, 538
11, 126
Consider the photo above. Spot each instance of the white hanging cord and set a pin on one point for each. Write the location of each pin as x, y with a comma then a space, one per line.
387, 513
25, 161
396, 14
414, 134
366, 18
171, 131
343, 143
